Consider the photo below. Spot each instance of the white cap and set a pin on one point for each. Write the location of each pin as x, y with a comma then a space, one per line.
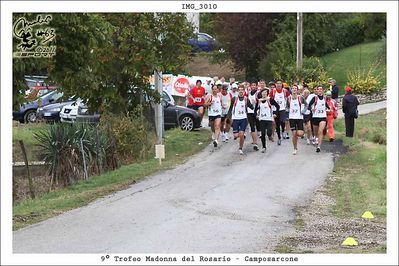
234, 86
218, 82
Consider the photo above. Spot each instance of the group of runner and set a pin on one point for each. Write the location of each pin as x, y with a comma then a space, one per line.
276, 108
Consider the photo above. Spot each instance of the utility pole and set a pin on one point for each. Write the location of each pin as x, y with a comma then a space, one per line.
159, 125
299, 41
159, 107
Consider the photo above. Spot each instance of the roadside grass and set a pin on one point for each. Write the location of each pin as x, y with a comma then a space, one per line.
357, 184
361, 175
363, 55
179, 145
25, 132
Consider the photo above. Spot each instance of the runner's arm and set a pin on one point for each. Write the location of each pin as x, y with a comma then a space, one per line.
231, 106
305, 104
249, 104
275, 104
311, 103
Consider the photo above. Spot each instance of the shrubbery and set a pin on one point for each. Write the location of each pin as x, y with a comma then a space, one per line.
67, 147
312, 72
132, 134
364, 81
118, 139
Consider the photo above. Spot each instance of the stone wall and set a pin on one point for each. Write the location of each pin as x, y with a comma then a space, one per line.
372, 98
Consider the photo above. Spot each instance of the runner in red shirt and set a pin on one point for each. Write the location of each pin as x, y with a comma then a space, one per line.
197, 98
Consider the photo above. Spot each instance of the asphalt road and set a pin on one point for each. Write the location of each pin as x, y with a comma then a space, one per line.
217, 202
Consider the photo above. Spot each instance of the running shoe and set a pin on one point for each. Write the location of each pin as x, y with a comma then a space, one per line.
263, 150
308, 141
226, 136
294, 152
318, 149
314, 141
241, 152
256, 148
215, 143
271, 139
287, 136
279, 142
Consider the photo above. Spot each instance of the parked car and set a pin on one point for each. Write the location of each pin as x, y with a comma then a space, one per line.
34, 81
38, 91
202, 42
27, 112
69, 112
180, 116
51, 112
174, 116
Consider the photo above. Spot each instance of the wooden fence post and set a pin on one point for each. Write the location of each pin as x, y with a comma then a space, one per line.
31, 189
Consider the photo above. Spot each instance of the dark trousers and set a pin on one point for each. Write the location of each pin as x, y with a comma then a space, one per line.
280, 122
349, 125
265, 126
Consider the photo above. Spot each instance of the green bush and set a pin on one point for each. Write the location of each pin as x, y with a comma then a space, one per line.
311, 73
132, 135
365, 81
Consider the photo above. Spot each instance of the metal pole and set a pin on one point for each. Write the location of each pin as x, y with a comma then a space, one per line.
84, 159
299, 41
159, 109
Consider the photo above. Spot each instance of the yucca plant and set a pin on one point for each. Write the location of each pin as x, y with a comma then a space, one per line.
62, 148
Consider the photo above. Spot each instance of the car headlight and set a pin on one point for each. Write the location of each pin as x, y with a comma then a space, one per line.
55, 110
39, 109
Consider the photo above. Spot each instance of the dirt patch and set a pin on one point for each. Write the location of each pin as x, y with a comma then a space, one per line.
318, 231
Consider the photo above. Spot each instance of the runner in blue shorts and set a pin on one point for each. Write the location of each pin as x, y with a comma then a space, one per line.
238, 111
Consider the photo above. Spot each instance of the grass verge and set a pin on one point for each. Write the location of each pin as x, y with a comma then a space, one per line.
179, 145
362, 55
357, 184
361, 173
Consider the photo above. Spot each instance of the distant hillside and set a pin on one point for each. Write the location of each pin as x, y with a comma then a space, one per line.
362, 55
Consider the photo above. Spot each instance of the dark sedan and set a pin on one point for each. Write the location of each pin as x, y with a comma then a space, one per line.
27, 112
51, 112
180, 116
174, 116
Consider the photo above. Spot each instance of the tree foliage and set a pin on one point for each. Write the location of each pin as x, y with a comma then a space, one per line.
107, 59
322, 34
25, 66
244, 37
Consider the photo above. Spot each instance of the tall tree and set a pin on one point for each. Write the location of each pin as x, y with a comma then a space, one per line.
108, 58
244, 37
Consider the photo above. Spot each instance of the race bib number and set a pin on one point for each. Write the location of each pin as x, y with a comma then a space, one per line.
320, 111
263, 115
280, 102
240, 112
197, 99
294, 111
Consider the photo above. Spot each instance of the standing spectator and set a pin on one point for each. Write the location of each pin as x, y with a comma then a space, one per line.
349, 107
334, 89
